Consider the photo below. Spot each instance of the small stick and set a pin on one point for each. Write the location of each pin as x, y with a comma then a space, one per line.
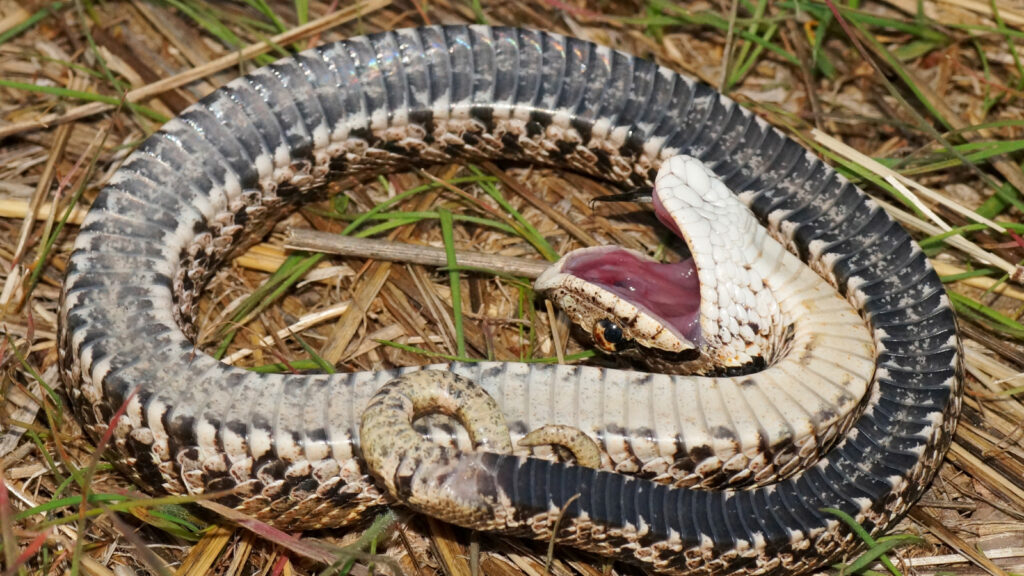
304, 239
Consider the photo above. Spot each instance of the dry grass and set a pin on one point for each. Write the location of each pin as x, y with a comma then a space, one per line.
939, 103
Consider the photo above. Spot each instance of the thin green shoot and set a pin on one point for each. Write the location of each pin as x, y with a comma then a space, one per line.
967, 274
525, 229
281, 367
425, 352
938, 239
320, 362
262, 7
348, 555
749, 52
31, 21
86, 96
994, 318
510, 278
454, 279
877, 548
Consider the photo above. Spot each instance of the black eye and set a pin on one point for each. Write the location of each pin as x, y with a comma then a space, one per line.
608, 336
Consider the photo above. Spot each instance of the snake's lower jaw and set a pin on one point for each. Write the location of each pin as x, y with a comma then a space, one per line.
654, 305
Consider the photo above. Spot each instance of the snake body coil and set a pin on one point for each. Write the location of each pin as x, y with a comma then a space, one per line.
222, 173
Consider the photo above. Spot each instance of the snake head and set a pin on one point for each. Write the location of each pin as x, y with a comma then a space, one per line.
624, 299
715, 302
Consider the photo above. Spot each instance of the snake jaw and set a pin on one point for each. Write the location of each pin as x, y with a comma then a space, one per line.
655, 305
717, 302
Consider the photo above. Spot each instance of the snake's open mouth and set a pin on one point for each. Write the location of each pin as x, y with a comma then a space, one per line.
668, 292
660, 302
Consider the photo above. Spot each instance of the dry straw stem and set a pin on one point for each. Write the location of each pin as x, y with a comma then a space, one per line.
17, 208
955, 542
1007, 11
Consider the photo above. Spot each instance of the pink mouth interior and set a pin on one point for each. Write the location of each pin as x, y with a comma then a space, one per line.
668, 292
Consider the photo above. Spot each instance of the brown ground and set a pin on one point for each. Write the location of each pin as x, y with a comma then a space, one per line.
934, 74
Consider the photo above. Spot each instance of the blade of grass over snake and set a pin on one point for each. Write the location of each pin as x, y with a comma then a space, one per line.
454, 278
322, 364
861, 533
291, 366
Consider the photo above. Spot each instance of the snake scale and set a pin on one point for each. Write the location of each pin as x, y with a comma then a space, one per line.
216, 179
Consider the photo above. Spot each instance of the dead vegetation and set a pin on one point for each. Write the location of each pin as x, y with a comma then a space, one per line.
931, 91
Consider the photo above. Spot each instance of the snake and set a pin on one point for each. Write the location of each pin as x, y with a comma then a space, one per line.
702, 478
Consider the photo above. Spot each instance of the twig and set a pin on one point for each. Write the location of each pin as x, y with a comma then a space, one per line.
304, 239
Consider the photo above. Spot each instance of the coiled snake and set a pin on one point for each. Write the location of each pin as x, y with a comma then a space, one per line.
218, 176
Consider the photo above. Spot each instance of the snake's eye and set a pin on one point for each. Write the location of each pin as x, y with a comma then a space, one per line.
608, 336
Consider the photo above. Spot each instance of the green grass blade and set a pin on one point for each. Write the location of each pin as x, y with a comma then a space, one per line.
31, 21
425, 352
680, 15
86, 96
527, 231
995, 318
280, 367
293, 268
320, 362
454, 279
